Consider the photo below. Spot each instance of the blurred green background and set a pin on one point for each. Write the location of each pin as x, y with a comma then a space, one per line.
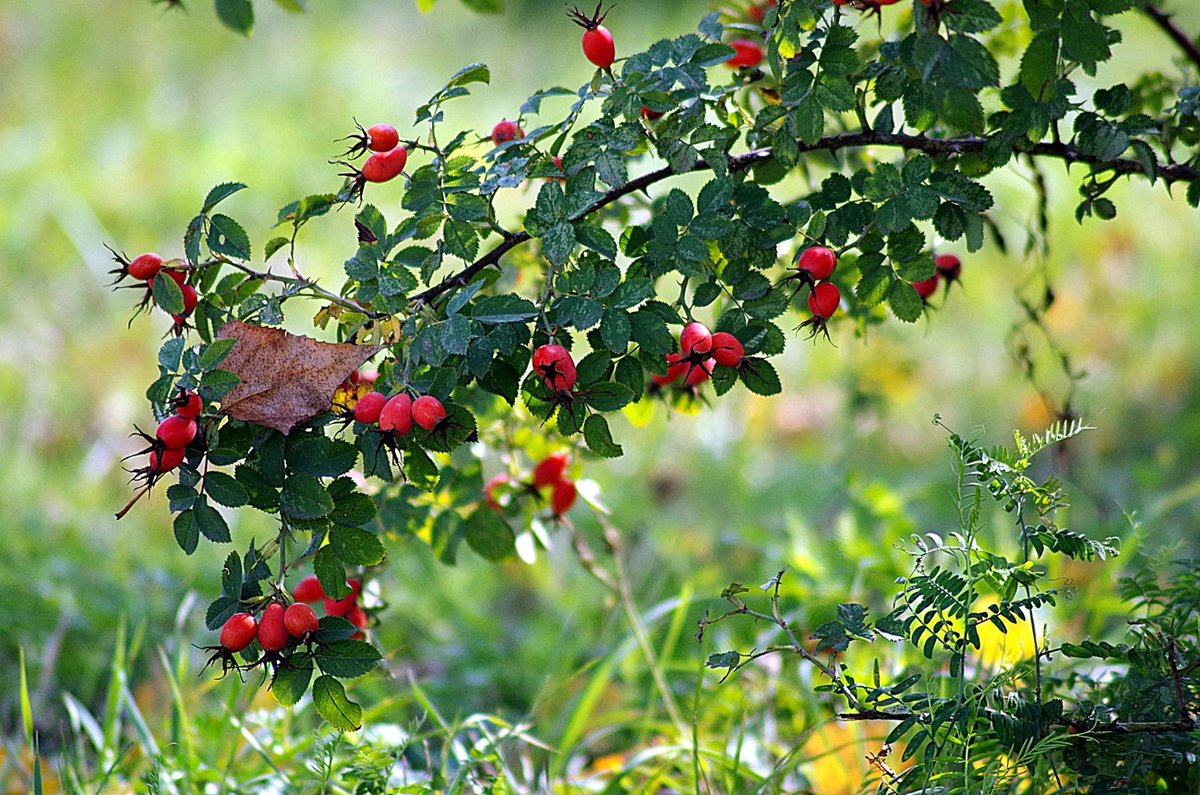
115, 119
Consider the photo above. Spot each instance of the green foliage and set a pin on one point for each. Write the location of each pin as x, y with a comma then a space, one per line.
955, 715
458, 302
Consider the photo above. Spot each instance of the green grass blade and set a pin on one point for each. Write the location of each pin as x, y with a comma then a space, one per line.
26, 708
116, 683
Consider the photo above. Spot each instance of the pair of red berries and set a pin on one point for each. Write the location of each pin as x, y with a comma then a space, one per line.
397, 414
550, 473
274, 631
174, 434
814, 265
144, 268
597, 41
699, 351
309, 590
388, 157
947, 266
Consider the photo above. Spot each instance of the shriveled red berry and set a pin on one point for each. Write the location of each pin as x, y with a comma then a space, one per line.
727, 349
300, 619
383, 166
926, 287
506, 131
550, 469
428, 411
369, 406
272, 634
396, 415
238, 631
188, 404
144, 266
308, 590
165, 460
651, 115
695, 339
824, 300
747, 53
556, 367
382, 138
176, 431
948, 266
563, 497
817, 262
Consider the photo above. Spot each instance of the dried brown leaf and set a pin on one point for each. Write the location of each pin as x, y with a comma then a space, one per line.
286, 379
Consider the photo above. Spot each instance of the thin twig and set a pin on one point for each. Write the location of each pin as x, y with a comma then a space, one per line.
1177, 35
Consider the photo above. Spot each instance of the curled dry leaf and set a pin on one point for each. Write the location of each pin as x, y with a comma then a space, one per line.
285, 379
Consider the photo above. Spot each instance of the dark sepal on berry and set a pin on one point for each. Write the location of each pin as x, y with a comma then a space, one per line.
589, 22
359, 141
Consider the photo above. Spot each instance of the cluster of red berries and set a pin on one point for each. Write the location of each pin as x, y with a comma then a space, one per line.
548, 474
814, 265
144, 268
700, 351
349, 607
277, 628
396, 415
948, 267
386, 162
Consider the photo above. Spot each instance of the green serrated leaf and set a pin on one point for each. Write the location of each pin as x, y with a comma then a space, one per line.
167, 295
219, 194
489, 535
237, 15
347, 659
329, 697
226, 236
304, 497
599, 438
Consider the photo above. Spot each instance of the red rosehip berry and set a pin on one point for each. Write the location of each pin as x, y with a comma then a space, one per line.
384, 166
747, 53
556, 367
188, 404
300, 620
176, 431
308, 590
338, 607
824, 299
396, 415
758, 11
695, 339
651, 115
238, 631
816, 263
727, 350
563, 497
190, 299
490, 489
272, 634
506, 131
382, 138
550, 469
677, 365
697, 374
178, 276
369, 406
164, 461
428, 411
597, 41
949, 267
926, 287
144, 266
355, 615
